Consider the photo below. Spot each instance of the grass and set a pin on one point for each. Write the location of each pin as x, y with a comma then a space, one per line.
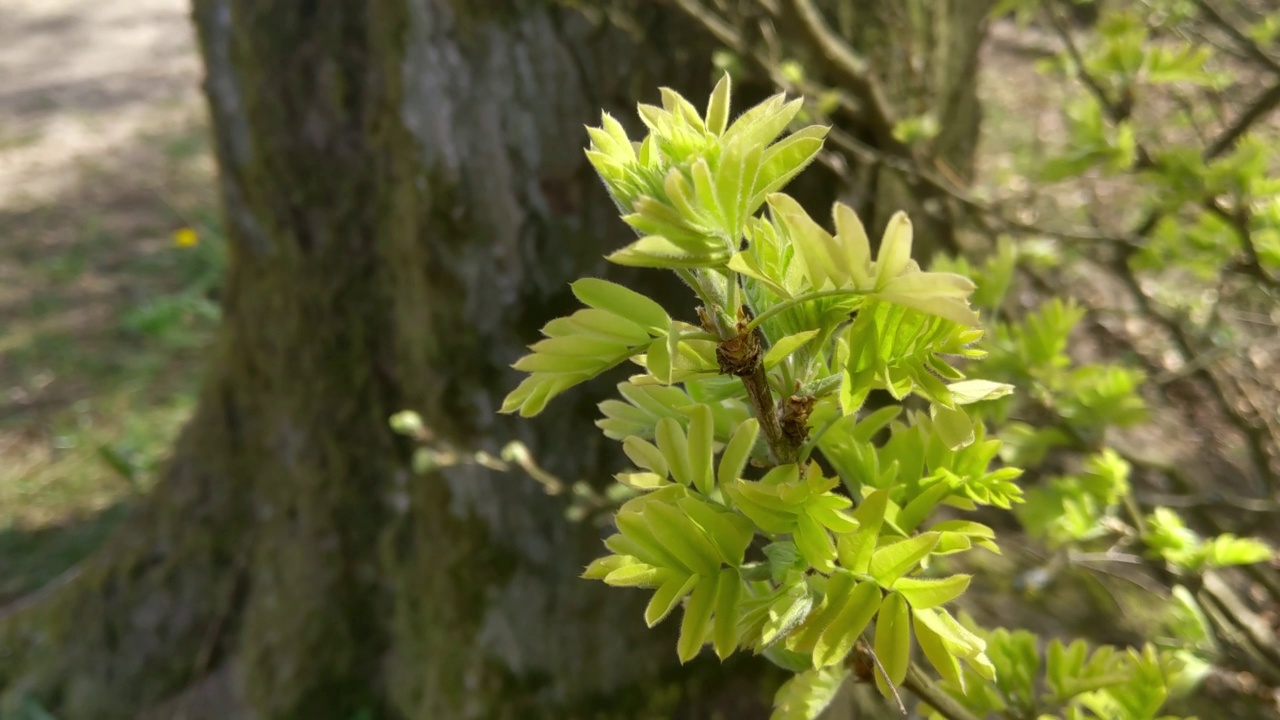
103, 322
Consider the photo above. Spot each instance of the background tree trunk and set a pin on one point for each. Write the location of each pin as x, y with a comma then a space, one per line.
406, 201
925, 55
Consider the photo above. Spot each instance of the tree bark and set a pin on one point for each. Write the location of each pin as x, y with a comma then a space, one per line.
406, 200
925, 55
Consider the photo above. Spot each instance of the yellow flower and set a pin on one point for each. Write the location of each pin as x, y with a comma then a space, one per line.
185, 237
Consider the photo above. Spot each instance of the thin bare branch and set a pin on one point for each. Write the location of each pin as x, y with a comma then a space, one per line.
1251, 48
1117, 111
1257, 110
923, 687
851, 72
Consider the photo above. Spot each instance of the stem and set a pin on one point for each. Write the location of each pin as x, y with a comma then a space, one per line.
757, 385
800, 300
922, 687
691, 280
807, 449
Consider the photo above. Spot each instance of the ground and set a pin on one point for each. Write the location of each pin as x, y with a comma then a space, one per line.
105, 305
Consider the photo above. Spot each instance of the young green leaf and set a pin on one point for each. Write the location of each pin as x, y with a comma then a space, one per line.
724, 632
598, 324
783, 160
735, 178
837, 590
829, 511
841, 633
704, 188
699, 448
928, 593
682, 538
936, 653
675, 103
675, 448
636, 538
807, 694
967, 392
957, 639
637, 575
600, 568
738, 450
856, 550
785, 346
895, 249
815, 249
624, 302
760, 125
697, 617
729, 532
717, 118
893, 643
852, 238
786, 613
766, 511
642, 480
921, 505
747, 264
893, 561
582, 367
668, 595
657, 251
953, 426
645, 455
814, 543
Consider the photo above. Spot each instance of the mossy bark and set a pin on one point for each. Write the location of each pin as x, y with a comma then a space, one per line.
925, 54
406, 201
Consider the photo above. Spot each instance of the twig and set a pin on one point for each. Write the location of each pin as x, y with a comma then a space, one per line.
1116, 111
1112, 109
935, 697
1254, 628
1245, 504
1258, 109
1246, 43
867, 652
1240, 652
757, 385
1238, 220
902, 161
851, 71
1255, 434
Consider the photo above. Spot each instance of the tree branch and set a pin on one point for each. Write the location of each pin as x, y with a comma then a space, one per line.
920, 685
850, 70
909, 166
1116, 111
1238, 220
1258, 109
1255, 434
1246, 43
1112, 109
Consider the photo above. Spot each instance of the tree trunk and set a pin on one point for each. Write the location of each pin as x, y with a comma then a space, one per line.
406, 201
925, 55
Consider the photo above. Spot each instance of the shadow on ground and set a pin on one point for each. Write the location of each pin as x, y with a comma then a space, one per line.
30, 559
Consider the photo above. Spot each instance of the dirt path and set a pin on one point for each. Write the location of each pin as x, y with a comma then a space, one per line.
79, 78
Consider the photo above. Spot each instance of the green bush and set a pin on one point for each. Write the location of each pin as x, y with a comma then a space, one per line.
789, 520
